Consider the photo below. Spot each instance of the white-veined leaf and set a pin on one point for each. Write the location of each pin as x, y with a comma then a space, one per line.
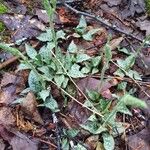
82, 57
109, 143
31, 52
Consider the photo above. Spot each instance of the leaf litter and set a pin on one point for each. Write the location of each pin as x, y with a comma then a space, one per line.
27, 117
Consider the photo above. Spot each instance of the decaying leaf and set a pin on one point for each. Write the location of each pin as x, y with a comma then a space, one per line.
2, 144
135, 6
42, 15
78, 112
113, 2
144, 26
11, 86
17, 140
24, 26
29, 105
115, 43
93, 84
139, 141
92, 141
7, 118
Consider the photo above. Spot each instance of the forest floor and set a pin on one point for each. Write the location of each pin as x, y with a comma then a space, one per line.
74, 75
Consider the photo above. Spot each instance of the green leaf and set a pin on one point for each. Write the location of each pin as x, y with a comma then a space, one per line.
33, 81
60, 34
79, 147
65, 83
122, 86
82, 57
81, 28
72, 133
85, 70
44, 94
89, 34
96, 60
119, 73
65, 144
23, 66
109, 143
133, 74
31, 52
136, 75
75, 72
118, 129
72, 47
45, 52
95, 70
93, 127
51, 103
47, 36
133, 101
123, 109
68, 60
127, 63
124, 50
11, 50
47, 72
108, 53
59, 79
93, 95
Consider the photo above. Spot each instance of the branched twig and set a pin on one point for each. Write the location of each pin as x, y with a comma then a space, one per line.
102, 21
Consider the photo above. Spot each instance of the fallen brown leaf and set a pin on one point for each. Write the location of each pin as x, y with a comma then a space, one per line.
92, 141
11, 85
144, 26
29, 106
24, 26
139, 141
115, 43
6, 117
93, 84
2, 144
17, 140
113, 2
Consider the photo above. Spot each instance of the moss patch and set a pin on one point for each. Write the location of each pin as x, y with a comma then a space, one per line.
3, 9
147, 2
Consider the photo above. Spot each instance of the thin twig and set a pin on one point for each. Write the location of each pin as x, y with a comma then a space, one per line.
9, 61
102, 21
127, 79
14, 58
58, 137
74, 99
48, 142
132, 79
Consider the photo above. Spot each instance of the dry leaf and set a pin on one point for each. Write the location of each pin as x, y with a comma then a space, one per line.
17, 140
93, 84
29, 106
24, 26
11, 86
115, 43
144, 26
92, 141
6, 117
139, 141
